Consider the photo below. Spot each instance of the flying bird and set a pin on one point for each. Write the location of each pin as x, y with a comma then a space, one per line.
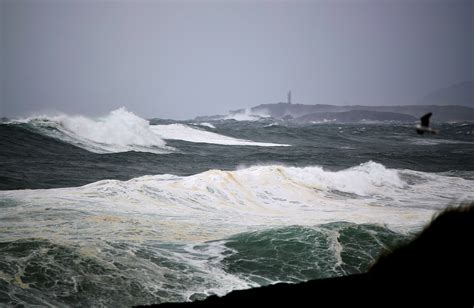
424, 126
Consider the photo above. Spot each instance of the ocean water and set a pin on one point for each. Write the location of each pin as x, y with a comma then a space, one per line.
122, 211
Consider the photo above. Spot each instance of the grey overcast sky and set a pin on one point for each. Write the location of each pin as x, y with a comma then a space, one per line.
181, 59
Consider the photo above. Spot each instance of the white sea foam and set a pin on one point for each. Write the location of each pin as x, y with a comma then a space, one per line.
122, 131
111, 221
246, 115
216, 204
187, 133
119, 131
271, 124
205, 124
433, 141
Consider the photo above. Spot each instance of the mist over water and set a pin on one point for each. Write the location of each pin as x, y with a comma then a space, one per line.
120, 211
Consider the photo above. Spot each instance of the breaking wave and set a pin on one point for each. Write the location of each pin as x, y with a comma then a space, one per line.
133, 242
123, 131
205, 124
119, 131
245, 115
187, 133
216, 203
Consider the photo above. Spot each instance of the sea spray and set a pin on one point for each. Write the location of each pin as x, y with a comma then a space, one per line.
190, 134
119, 131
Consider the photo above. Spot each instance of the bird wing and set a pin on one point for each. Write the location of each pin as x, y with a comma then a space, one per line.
425, 120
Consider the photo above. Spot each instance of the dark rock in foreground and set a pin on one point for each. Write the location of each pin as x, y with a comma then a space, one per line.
435, 268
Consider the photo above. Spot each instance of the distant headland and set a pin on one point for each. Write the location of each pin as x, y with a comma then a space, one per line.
451, 104
349, 114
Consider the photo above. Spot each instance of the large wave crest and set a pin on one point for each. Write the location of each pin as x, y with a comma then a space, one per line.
186, 133
218, 203
123, 131
119, 131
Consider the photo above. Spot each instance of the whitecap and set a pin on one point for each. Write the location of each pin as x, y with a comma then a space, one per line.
119, 131
216, 204
186, 133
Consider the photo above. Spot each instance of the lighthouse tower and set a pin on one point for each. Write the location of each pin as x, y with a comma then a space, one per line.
289, 97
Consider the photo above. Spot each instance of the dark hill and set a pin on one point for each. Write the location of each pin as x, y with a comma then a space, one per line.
379, 113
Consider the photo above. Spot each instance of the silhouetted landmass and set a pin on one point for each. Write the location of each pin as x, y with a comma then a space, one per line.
376, 113
440, 113
281, 110
451, 104
356, 113
435, 268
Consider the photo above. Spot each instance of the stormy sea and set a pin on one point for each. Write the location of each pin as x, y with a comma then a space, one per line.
122, 211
